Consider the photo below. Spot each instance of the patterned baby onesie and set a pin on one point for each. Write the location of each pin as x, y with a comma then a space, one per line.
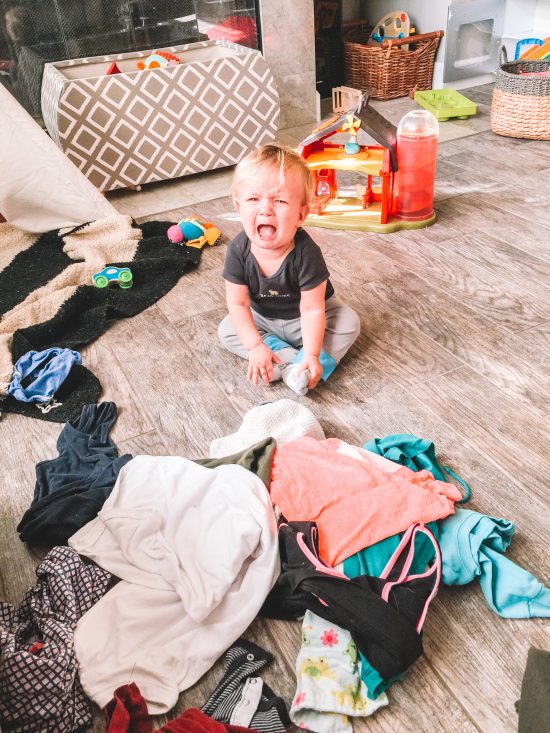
329, 685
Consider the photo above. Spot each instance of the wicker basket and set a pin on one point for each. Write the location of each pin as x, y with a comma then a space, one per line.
521, 104
387, 69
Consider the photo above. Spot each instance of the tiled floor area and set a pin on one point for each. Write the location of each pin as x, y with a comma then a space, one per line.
156, 198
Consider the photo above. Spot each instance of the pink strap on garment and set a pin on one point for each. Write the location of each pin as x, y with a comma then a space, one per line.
409, 538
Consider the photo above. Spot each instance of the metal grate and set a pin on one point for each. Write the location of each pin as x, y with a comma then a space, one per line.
34, 32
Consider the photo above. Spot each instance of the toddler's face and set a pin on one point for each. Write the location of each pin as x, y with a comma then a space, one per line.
271, 211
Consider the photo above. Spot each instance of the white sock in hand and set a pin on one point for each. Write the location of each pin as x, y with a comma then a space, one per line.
287, 371
296, 379
286, 356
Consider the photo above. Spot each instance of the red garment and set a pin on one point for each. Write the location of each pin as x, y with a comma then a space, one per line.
236, 29
127, 713
355, 497
36, 647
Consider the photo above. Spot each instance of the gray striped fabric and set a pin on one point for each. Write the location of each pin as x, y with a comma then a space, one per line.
241, 697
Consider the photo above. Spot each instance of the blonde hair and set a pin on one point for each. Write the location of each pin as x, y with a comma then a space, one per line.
276, 156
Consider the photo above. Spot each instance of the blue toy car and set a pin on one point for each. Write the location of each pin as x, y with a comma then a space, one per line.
118, 275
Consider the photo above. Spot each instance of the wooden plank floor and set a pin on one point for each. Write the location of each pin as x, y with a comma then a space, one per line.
455, 347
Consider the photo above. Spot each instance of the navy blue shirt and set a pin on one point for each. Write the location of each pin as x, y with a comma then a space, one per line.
278, 296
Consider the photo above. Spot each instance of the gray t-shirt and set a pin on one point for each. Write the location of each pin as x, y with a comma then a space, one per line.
277, 296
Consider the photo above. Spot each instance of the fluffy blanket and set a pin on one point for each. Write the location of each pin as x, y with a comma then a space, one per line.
47, 299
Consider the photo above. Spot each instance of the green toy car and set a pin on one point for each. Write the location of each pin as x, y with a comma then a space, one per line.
118, 275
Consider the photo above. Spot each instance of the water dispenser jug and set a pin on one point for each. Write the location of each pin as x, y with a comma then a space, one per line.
413, 192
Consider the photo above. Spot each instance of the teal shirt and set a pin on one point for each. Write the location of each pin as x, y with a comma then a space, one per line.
472, 545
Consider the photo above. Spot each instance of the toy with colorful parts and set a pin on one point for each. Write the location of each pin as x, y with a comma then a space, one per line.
539, 52
193, 232
158, 59
351, 125
393, 25
121, 276
398, 175
446, 103
526, 42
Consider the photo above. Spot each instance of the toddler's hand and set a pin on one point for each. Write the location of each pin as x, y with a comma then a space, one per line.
260, 363
312, 363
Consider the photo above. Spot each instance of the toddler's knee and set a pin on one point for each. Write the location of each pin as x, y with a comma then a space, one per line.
225, 331
354, 324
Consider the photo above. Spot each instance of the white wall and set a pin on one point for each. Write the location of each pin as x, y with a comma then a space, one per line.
525, 19
542, 18
519, 16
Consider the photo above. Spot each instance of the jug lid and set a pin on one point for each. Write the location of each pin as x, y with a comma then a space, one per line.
418, 123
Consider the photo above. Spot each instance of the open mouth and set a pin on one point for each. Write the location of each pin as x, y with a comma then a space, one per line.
266, 231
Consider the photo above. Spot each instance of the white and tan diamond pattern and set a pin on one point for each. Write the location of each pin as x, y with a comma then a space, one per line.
143, 126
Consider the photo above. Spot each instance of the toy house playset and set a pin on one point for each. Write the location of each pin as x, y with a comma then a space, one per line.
397, 177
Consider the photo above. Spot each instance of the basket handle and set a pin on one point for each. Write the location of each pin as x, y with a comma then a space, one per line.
390, 42
503, 55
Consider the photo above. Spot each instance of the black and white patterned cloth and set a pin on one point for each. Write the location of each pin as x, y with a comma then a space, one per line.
242, 698
39, 687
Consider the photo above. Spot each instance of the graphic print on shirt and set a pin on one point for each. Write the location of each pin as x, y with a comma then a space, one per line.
273, 294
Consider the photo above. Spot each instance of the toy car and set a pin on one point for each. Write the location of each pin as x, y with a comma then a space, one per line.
193, 232
121, 276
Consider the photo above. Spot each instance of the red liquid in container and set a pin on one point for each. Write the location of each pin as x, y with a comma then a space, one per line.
414, 182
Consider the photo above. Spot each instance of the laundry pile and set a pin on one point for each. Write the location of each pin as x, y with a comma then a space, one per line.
181, 555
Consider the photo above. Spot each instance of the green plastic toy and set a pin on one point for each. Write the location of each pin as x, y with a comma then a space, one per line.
121, 276
446, 103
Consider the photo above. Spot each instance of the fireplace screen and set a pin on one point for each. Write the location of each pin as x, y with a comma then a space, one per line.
34, 32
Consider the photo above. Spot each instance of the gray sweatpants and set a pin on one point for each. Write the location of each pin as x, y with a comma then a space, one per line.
341, 330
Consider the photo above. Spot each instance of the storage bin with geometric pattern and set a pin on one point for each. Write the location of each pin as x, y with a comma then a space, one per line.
137, 126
